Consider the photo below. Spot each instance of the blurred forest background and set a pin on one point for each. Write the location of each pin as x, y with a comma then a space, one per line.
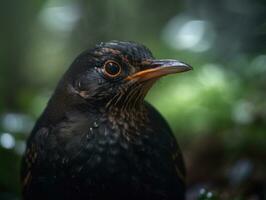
217, 111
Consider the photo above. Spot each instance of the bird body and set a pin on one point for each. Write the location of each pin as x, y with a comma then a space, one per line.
96, 140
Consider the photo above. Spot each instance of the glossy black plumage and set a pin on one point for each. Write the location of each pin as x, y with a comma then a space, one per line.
98, 139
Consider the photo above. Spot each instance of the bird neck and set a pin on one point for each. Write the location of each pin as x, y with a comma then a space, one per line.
131, 113
59, 105
124, 108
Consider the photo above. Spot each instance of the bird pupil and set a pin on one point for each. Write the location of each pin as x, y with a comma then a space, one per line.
112, 68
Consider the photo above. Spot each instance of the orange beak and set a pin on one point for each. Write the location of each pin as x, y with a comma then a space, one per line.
159, 68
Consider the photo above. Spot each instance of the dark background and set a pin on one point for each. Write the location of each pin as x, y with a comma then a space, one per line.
217, 111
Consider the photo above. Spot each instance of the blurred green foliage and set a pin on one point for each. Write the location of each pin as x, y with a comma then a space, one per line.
218, 111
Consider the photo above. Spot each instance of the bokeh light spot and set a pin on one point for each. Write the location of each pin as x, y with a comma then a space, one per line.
183, 33
60, 18
7, 141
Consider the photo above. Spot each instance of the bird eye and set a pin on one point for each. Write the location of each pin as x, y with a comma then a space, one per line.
112, 69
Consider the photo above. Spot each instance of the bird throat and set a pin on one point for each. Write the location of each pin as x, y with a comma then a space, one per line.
128, 104
127, 111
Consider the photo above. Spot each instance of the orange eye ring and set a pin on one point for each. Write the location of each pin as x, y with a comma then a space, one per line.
112, 69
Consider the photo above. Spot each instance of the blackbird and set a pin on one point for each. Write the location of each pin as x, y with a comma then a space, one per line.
98, 138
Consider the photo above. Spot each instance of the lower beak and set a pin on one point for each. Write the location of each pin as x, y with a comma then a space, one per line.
159, 68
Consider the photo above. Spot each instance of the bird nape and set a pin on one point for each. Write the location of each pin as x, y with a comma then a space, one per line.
98, 138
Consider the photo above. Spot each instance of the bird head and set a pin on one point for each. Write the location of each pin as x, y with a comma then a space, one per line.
118, 74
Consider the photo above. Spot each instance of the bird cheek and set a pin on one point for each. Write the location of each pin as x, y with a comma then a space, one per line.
82, 84
84, 94
84, 89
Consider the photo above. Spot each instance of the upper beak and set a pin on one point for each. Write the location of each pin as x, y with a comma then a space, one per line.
159, 68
